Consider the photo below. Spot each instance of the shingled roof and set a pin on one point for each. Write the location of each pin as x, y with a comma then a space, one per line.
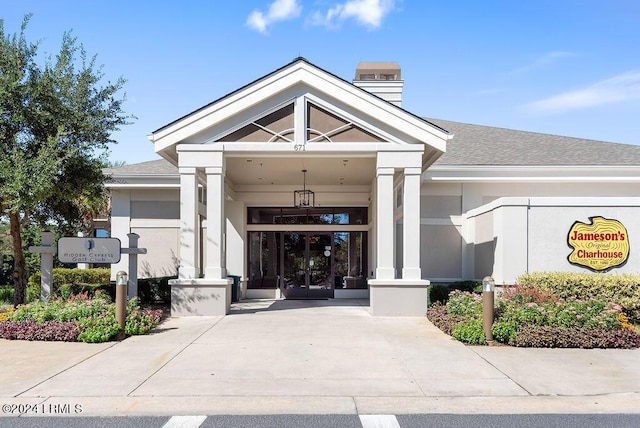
154, 167
487, 146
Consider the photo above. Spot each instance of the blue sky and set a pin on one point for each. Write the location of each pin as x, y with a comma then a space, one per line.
564, 67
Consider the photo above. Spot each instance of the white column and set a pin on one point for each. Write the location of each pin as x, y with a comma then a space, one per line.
385, 241
189, 225
411, 224
215, 264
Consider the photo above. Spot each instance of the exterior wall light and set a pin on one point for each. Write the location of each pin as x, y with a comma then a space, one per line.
488, 289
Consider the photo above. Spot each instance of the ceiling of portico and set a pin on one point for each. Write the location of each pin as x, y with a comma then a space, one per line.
288, 171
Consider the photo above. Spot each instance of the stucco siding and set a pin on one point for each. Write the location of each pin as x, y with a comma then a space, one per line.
440, 206
484, 245
155, 210
441, 251
548, 248
162, 251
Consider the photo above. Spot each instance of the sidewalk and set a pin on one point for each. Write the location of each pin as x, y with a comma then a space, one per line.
326, 356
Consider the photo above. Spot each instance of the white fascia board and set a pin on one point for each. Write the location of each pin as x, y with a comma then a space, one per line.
226, 107
324, 149
497, 203
352, 117
578, 201
299, 73
570, 173
385, 112
130, 181
134, 185
551, 201
287, 188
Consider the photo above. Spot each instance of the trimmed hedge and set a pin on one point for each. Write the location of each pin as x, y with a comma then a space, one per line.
622, 289
67, 282
71, 281
439, 293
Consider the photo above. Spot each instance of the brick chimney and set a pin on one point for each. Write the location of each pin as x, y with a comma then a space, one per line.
382, 79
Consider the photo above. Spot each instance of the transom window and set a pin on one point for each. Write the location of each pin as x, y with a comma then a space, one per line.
290, 215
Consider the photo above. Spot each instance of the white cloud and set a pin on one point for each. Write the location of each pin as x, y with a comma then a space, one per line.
279, 10
369, 13
545, 60
619, 88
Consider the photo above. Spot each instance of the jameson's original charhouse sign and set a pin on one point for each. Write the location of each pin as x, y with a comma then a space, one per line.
599, 246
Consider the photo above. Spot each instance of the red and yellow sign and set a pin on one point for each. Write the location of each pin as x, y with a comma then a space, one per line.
599, 246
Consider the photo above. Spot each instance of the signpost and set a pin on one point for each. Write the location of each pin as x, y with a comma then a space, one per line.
87, 250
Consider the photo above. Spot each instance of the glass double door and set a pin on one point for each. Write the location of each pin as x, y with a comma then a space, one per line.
307, 265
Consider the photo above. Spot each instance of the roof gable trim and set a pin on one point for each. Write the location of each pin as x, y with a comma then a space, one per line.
300, 72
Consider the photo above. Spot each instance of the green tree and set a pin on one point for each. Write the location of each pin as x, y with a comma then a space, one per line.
56, 122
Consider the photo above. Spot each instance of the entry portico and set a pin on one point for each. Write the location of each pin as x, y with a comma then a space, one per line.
249, 148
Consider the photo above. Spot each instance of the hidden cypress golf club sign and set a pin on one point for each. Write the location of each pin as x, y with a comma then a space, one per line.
89, 250
600, 245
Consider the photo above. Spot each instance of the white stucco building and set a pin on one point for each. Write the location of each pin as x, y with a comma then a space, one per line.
387, 201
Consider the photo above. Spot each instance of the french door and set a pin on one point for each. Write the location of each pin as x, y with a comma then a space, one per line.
307, 265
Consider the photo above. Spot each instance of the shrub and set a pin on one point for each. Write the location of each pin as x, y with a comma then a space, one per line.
5, 313
595, 312
470, 286
465, 304
65, 291
155, 290
537, 318
62, 276
622, 289
93, 319
99, 328
470, 331
558, 337
624, 322
31, 330
505, 331
141, 321
521, 295
6, 293
438, 294
438, 315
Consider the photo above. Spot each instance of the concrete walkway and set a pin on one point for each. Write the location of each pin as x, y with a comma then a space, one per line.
324, 356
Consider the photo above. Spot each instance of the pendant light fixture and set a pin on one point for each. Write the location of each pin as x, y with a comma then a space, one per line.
304, 198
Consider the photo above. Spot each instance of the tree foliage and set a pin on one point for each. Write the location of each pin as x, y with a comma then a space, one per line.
56, 122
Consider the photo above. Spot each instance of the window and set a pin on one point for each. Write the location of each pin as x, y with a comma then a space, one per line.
100, 232
290, 215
